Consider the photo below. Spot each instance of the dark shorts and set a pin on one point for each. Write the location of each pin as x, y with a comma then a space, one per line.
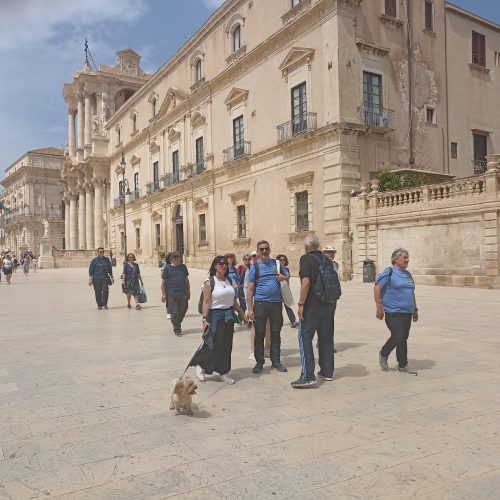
7, 271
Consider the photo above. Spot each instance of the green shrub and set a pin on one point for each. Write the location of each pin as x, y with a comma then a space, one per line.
392, 181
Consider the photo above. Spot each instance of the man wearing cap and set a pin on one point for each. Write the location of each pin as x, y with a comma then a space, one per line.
175, 290
330, 252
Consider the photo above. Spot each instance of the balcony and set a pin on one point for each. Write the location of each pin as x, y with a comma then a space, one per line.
193, 169
153, 186
172, 178
27, 214
134, 195
479, 166
301, 124
237, 151
118, 202
377, 117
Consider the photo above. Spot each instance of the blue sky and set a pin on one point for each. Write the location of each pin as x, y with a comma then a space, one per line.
41, 45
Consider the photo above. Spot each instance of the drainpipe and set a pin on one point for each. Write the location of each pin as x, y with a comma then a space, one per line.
411, 159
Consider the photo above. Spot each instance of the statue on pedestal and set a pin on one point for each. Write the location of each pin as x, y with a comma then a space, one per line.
46, 229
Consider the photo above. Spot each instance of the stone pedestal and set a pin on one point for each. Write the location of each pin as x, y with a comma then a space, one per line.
46, 260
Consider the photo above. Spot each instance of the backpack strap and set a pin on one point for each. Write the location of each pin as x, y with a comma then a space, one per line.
257, 274
212, 283
389, 278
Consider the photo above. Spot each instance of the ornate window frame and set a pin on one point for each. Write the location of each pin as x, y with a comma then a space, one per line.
297, 184
201, 208
237, 199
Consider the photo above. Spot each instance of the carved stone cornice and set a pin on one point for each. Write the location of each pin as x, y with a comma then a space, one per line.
371, 48
296, 56
391, 21
295, 12
236, 55
198, 85
236, 96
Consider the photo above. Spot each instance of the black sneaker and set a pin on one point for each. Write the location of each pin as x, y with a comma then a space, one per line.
105, 307
258, 368
178, 334
280, 367
303, 384
99, 308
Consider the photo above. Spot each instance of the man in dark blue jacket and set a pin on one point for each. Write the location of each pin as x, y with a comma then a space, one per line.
101, 276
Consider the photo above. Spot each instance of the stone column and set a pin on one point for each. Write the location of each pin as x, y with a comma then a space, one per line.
80, 122
89, 215
73, 223
82, 244
66, 222
98, 208
71, 133
88, 118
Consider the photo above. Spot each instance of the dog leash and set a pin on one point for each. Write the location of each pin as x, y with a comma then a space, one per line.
192, 357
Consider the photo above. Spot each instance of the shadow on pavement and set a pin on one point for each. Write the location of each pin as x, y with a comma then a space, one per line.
421, 364
354, 371
344, 346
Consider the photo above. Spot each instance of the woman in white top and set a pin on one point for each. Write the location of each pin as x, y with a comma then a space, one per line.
219, 304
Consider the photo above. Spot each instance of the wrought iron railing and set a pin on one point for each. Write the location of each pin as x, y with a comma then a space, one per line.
171, 178
375, 116
134, 195
195, 168
25, 213
300, 124
151, 187
118, 202
479, 166
239, 150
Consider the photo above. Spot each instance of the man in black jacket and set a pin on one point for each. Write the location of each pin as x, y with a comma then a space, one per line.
101, 276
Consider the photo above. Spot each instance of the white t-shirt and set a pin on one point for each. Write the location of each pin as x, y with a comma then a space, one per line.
7, 263
222, 295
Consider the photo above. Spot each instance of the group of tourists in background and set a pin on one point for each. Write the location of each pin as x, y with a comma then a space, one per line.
255, 292
9, 263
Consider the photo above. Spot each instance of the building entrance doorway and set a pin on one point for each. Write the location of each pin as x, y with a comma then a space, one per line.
179, 230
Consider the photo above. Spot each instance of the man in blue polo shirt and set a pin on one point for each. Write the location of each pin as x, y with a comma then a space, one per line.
264, 303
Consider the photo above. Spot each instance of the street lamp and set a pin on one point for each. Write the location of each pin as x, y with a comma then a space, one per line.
122, 196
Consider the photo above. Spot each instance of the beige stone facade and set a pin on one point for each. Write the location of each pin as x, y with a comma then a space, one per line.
262, 124
32, 193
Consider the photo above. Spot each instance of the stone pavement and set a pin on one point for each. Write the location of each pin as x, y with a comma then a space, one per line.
84, 403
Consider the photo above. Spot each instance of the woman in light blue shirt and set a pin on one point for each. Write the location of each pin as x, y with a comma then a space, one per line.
394, 294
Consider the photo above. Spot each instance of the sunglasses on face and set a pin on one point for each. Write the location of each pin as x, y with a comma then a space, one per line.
222, 263
264, 249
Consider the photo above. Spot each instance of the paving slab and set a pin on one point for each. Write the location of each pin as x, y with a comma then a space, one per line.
84, 402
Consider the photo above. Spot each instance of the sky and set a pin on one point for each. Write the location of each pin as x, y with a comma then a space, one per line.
42, 42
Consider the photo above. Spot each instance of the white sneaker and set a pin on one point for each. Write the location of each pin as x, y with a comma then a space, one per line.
200, 373
251, 357
169, 316
228, 379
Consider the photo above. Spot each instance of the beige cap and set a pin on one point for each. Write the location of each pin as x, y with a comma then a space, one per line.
253, 253
329, 248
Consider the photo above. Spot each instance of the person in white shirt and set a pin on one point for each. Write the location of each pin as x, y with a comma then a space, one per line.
219, 303
7, 268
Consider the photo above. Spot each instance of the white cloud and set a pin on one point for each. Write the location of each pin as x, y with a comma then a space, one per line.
28, 22
213, 4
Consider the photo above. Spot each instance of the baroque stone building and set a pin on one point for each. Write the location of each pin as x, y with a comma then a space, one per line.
32, 193
264, 123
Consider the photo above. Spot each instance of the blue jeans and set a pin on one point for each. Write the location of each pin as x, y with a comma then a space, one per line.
317, 318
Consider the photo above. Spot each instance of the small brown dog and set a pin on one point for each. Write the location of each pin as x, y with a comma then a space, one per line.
181, 398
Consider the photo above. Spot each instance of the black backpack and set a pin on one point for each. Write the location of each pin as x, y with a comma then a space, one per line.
327, 287
212, 286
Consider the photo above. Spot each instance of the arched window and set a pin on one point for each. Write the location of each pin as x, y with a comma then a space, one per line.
197, 70
237, 38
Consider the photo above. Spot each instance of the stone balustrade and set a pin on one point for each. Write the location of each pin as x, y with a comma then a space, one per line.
451, 229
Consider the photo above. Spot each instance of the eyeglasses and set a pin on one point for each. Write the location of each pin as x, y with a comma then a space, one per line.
282, 260
264, 249
100, 251
222, 263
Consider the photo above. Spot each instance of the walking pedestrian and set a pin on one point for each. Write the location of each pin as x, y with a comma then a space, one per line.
132, 280
26, 265
175, 289
101, 276
315, 315
289, 311
330, 251
241, 270
264, 303
219, 303
394, 294
34, 262
7, 268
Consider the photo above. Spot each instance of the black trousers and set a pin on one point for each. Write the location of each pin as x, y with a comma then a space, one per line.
317, 318
271, 311
217, 359
101, 289
399, 325
177, 307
